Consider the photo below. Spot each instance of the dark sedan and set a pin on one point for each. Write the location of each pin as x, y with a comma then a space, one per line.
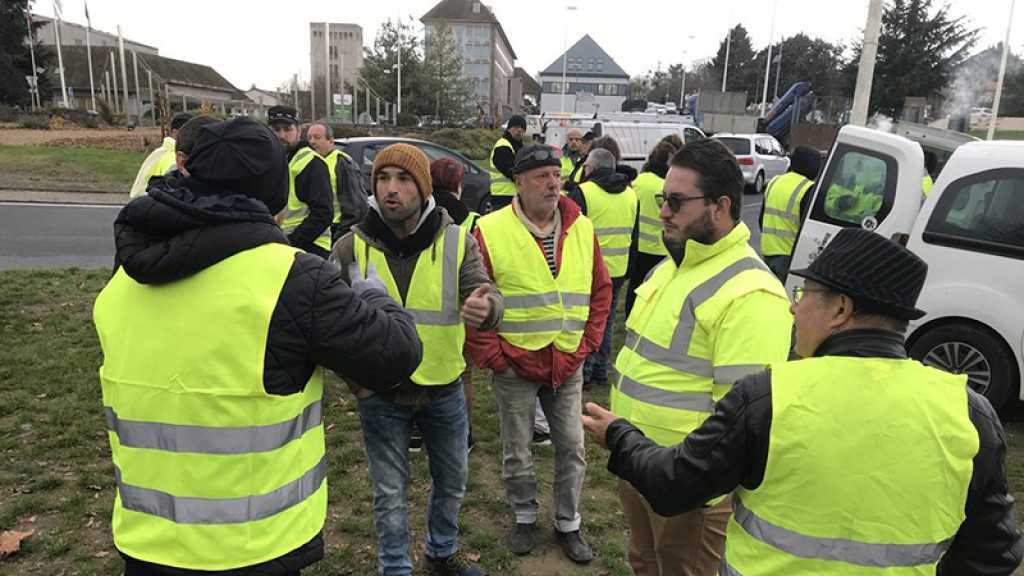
476, 184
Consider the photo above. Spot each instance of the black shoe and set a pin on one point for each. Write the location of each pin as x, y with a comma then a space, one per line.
541, 438
454, 565
522, 539
415, 442
574, 547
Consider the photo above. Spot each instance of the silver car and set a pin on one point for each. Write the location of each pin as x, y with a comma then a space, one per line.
760, 157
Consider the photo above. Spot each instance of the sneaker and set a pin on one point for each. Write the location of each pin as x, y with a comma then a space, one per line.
574, 547
541, 438
522, 539
416, 442
454, 565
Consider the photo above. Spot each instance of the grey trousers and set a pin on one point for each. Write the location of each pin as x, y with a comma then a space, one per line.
516, 406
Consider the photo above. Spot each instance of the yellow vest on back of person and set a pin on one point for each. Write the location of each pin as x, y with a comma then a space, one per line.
540, 309
332, 168
297, 210
432, 300
782, 213
869, 466
500, 185
614, 216
668, 378
212, 472
926, 185
647, 185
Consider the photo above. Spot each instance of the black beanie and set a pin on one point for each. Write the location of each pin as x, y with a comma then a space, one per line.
805, 162
244, 157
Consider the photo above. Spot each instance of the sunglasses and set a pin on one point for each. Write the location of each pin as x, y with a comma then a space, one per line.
675, 201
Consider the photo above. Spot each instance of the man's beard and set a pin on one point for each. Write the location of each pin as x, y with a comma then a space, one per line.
398, 216
702, 231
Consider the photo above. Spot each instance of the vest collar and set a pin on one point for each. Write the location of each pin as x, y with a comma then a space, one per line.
697, 253
169, 143
864, 343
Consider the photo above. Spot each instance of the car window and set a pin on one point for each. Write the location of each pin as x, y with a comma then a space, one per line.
982, 212
690, 135
777, 148
859, 186
370, 152
739, 146
763, 147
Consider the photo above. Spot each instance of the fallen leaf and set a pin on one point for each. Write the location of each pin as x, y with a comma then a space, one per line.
101, 554
10, 541
473, 557
94, 487
330, 427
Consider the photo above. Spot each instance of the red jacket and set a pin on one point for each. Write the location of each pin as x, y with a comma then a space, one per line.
551, 365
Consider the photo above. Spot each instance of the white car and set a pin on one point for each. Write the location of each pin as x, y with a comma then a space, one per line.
970, 231
760, 157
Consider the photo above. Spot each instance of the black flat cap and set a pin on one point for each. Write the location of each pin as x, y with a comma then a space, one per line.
535, 156
282, 114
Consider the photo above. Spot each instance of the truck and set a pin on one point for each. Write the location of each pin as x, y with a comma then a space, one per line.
969, 230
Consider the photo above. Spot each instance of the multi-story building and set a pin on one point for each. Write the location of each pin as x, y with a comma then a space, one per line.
72, 34
342, 52
487, 56
593, 81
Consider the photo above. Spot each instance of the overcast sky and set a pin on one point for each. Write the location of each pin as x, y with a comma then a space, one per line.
264, 43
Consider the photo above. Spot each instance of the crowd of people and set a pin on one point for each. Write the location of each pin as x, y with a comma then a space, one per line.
753, 431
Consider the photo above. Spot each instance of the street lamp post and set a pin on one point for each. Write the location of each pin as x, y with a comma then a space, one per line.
768, 60
1002, 75
565, 54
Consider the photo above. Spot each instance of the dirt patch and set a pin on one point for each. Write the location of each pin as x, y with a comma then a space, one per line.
140, 140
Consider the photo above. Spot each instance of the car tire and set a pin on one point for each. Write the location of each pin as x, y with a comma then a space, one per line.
759, 183
966, 348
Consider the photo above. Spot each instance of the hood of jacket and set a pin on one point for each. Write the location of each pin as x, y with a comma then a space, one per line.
609, 180
183, 226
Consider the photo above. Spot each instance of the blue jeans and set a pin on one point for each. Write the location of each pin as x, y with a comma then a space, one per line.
595, 367
386, 430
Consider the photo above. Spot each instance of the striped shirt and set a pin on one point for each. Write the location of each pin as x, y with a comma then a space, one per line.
548, 244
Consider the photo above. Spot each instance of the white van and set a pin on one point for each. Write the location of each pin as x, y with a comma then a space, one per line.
970, 231
635, 139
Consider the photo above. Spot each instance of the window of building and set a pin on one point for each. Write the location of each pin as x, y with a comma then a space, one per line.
476, 7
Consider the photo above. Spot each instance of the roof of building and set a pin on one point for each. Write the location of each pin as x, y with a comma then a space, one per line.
45, 19
165, 70
586, 58
466, 11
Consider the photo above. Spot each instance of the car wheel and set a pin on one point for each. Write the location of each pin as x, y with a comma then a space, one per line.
485, 206
963, 348
759, 183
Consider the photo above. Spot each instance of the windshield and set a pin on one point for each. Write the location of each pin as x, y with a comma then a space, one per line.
738, 146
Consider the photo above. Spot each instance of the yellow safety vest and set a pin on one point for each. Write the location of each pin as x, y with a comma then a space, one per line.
614, 216
332, 166
298, 210
470, 221
647, 185
869, 465
926, 185
540, 309
168, 159
212, 472
669, 376
500, 185
432, 300
782, 213
567, 167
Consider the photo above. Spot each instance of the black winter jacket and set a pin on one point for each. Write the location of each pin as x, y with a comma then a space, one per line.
183, 226
731, 449
505, 159
312, 186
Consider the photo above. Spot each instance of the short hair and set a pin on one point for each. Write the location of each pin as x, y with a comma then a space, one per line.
718, 174
600, 158
659, 158
576, 130
180, 119
674, 140
446, 174
608, 143
188, 134
869, 316
328, 131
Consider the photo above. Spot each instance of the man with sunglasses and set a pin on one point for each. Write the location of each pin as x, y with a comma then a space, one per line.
545, 259
852, 460
709, 314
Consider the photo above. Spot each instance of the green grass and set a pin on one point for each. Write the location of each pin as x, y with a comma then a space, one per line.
87, 169
56, 477
1000, 134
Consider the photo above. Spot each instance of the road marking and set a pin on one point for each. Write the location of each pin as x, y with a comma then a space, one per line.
61, 205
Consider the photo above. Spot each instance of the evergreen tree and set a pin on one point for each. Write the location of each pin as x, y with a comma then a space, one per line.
447, 89
15, 57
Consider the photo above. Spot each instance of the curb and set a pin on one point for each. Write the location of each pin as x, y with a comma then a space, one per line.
29, 196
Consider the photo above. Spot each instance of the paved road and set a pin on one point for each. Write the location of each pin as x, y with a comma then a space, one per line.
61, 235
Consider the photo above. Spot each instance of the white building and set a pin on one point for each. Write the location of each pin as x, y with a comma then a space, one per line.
593, 81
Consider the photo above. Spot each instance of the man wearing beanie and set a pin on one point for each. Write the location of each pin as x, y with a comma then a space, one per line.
502, 159
161, 160
545, 258
310, 208
215, 333
854, 459
785, 206
433, 267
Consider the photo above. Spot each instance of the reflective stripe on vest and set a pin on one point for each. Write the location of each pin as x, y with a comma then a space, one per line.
297, 210
647, 185
838, 503
540, 309
668, 382
782, 213
613, 216
500, 185
432, 300
189, 431
332, 169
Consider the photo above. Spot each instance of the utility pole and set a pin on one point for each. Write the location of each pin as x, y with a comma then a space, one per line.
565, 54
152, 100
327, 70
399, 109
725, 68
1002, 75
768, 60
866, 70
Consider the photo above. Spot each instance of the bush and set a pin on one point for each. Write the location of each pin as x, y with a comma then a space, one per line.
34, 122
349, 131
407, 119
475, 143
8, 113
